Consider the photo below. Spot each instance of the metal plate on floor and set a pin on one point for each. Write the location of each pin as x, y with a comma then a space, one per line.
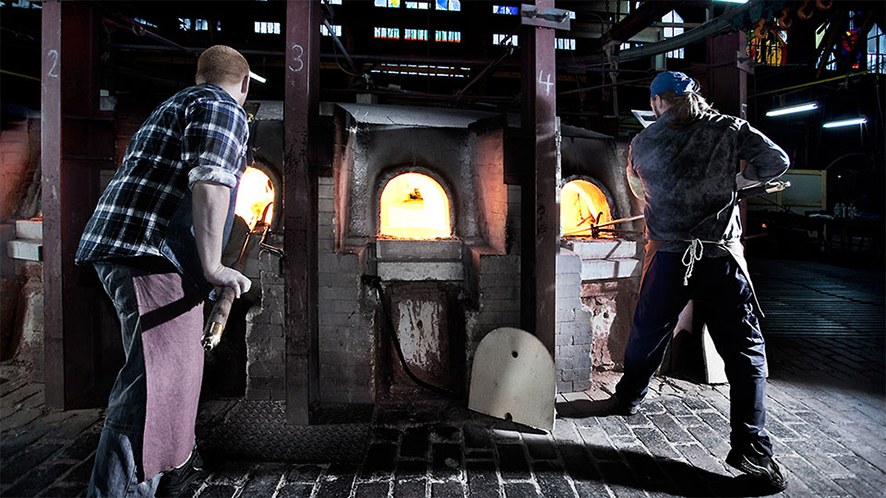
259, 430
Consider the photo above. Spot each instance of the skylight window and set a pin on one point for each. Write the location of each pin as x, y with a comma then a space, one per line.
506, 10
267, 28
448, 36
418, 5
336, 30
671, 31
392, 4
415, 34
334, 2
498, 39
387, 33
184, 24
564, 43
201, 25
423, 70
876, 50
450, 5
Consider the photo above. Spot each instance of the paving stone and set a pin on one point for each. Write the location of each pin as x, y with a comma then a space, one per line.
448, 489
716, 421
410, 489
19, 418
415, 443
217, 491
592, 489
615, 426
335, 486
655, 441
447, 460
700, 457
482, 479
372, 489
410, 469
82, 447
37, 479
512, 462
26, 460
12, 443
578, 465
81, 472
552, 481
444, 434
9, 401
477, 436
812, 477
293, 490
620, 478
264, 479
708, 438
874, 477
379, 461
304, 473
540, 447
520, 490
230, 472
675, 406
696, 403
673, 431
598, 443
638, 420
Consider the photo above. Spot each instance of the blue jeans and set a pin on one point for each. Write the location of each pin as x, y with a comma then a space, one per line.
723, 295
117, 460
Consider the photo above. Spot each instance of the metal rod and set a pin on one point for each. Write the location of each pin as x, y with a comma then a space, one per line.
621, 220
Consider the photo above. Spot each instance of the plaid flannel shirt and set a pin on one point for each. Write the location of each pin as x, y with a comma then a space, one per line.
198, 134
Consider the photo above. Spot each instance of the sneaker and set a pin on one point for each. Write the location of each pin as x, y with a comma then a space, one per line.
174, 482
762, 467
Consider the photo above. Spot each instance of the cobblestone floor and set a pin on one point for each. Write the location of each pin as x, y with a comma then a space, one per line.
827, 394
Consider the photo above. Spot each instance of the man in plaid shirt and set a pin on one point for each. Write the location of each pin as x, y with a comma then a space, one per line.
156, 240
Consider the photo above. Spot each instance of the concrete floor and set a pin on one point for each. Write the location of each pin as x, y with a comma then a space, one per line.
827, 394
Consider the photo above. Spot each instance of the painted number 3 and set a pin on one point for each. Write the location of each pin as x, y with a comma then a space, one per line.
297, 64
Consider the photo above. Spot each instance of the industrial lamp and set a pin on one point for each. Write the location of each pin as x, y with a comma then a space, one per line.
845, 122
257, 77
809, 106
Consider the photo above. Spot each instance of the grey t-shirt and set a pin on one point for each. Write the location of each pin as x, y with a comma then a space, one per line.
688, 176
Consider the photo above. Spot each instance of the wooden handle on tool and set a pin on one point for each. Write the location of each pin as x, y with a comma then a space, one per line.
215, 325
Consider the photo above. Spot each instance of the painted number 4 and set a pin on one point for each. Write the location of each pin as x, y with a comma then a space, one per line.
546, 82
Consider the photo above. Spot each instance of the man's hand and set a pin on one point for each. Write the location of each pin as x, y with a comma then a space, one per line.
741, 182
223, 276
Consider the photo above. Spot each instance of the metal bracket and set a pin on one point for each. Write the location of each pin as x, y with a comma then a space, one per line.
530, 15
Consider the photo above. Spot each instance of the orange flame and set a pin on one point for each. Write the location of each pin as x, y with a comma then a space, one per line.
582, 204
414, 206
256, 194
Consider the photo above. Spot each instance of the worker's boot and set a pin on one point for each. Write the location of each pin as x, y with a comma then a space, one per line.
762, 467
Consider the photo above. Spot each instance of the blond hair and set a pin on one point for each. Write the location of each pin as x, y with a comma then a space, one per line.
221, 64
686, 108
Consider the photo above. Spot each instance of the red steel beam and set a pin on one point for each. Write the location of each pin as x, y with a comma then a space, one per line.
300, 109
540, 209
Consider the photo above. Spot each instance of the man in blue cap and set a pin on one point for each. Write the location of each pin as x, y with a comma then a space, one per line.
685, 166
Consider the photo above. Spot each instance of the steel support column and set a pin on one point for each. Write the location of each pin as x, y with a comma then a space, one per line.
300, 109
540, 206
77, 141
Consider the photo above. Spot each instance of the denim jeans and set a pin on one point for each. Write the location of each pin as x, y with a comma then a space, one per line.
723, 295
117, 461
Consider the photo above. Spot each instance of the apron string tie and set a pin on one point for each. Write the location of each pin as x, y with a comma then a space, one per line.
692, 254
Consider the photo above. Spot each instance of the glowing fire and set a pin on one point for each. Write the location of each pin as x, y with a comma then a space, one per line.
256, 195
582, 204
414, 206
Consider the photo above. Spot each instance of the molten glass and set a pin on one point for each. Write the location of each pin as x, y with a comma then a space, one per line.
256, 195
582, 204
414, 206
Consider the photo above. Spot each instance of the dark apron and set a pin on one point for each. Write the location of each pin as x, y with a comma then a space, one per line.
171, 314
735, 249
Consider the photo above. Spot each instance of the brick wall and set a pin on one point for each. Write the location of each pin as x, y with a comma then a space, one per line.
574, 337
19, 162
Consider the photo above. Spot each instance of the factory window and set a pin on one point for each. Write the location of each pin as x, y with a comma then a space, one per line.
218, 26
498, 39
582, 204
255, 198
671, 31
334, 2
184, 24
336, 30
450, 5
415, 34
414, 206
387, 33
418, 5
876, 50
146, 23
423, 70
448, 36
201, 25
393, 4
25, 4
770, 49
267, 28
564, 43
506, 10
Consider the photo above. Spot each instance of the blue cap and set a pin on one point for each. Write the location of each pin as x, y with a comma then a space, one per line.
671, 80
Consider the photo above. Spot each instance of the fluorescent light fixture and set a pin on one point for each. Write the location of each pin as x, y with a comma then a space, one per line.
810, 106
732, 1
257, 77
846, 122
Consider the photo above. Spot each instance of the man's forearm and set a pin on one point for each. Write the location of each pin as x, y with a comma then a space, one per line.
210, 209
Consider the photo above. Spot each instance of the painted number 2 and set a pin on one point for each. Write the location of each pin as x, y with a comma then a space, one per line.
546, 82
297, 64
53, 54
